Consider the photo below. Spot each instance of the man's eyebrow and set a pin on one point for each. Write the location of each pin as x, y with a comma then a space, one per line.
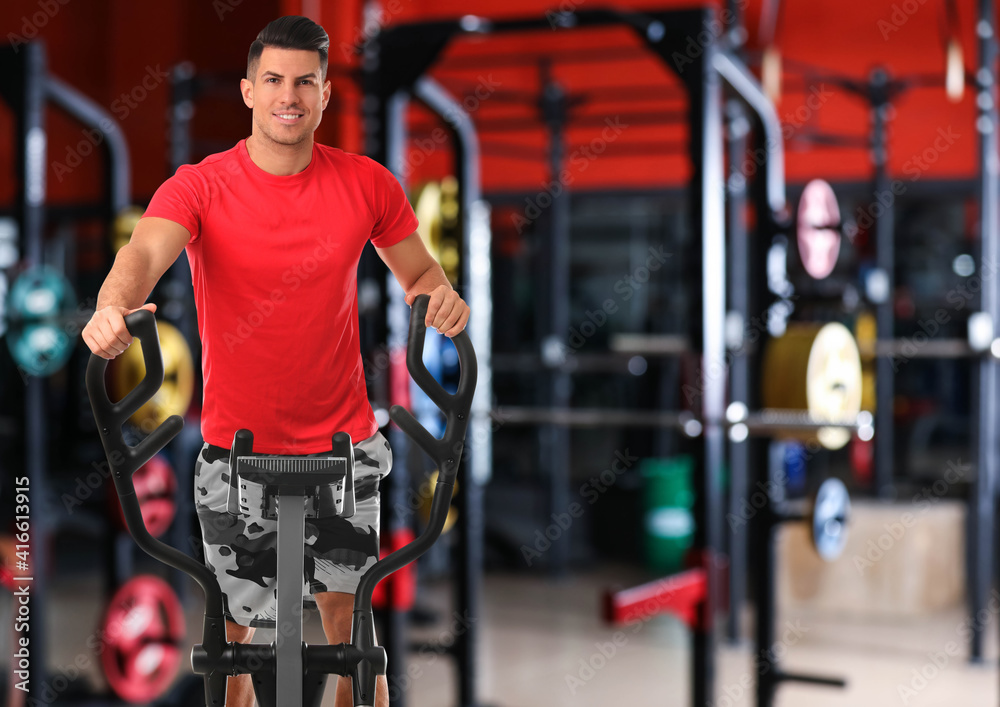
299, 78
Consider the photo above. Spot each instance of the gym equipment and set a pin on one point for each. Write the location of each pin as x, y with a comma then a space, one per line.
827, 514
174, 397
436, 207
392, 67
155, 489
818, 232
424, 510
816, 368
32, 94
141, 637
292, 669
867, 337
40, 304
668, 525
679, 594
954, 71
124, 225
398, 591
831, 509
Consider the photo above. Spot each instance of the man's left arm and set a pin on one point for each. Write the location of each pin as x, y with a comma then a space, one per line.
418, 273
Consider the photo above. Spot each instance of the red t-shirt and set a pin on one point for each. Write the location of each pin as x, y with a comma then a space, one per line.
274, 266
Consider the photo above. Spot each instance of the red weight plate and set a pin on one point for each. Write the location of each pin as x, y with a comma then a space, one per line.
819, 229
155, 488
140, 639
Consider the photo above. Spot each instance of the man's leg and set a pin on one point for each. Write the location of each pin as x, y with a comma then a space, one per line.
239, 691
337, 611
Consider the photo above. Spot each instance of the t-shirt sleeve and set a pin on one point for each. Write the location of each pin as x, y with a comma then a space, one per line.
177, 200
394, 217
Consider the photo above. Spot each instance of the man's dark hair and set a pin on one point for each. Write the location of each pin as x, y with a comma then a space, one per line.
291, 32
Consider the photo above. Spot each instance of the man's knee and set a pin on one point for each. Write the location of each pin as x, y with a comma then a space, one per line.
337, 610
237, 633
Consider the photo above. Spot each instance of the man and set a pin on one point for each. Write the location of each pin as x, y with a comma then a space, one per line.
274, 229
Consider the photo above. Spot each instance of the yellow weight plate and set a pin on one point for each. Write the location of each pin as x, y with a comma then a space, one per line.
426, 500
815, 368
427, 207
124, 225
174, 396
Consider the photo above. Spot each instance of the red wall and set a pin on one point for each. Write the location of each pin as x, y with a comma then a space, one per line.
106, 48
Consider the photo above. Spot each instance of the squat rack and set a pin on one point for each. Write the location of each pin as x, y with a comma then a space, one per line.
393, 65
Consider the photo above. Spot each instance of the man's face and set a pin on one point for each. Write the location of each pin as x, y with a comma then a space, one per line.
287, 95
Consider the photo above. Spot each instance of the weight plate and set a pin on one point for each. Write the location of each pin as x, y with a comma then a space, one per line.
830, 515
141, 637
40, 304
818, 232
174, 396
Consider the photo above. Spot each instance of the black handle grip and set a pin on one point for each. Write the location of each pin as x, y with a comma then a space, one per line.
447, 452
111, 416
124, 461
455, 406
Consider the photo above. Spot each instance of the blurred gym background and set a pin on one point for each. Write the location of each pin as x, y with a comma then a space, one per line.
732, 276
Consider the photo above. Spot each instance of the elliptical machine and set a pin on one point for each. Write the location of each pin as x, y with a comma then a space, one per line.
302, 487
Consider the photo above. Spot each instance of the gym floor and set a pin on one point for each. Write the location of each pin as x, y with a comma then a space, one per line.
542, 641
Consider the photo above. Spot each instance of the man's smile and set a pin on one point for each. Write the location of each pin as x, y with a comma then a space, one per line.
288, 117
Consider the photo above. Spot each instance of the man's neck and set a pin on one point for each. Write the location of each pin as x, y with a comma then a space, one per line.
280, 160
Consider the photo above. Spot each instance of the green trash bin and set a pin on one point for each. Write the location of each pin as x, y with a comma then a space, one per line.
668, 524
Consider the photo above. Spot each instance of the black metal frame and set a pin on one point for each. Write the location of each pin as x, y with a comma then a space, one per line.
982, 504
777, 510
215, 658
397, 57
27, 87
879, 92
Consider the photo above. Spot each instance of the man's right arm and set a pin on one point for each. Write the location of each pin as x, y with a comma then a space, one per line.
155, 245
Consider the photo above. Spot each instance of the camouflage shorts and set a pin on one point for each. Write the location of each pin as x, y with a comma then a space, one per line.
242, 551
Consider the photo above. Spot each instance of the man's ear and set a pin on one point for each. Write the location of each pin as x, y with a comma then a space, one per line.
327, 92
246, 88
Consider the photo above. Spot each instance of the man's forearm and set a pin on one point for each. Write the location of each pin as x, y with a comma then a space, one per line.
432, 278
128, 284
